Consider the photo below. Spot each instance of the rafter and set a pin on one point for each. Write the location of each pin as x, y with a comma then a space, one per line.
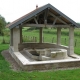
45, 16
33, 17
57, 18
35, 20
54, 21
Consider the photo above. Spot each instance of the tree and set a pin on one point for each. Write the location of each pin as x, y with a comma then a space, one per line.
7, 23
2, 24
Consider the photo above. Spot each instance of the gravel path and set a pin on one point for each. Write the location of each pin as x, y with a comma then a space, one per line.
13, 64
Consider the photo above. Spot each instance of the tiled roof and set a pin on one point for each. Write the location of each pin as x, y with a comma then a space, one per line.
38, 10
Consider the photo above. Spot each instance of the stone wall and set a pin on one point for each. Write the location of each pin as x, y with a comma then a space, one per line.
40, 45
43, 65
53, 66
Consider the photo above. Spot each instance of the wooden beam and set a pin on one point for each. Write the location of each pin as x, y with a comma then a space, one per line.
43, 25
54, 21
35, 20
41, 35
33, 17
57, 18
45, 16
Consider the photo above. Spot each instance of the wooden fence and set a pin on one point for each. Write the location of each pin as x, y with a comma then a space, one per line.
64, 41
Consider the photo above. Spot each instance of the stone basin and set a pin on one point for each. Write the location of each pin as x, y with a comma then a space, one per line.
47, 54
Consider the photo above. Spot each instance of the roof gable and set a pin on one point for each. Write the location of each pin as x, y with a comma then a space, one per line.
26, 17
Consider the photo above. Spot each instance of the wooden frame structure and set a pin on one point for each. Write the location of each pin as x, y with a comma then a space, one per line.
45, 16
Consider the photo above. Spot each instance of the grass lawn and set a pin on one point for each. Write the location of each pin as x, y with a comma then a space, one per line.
7, 74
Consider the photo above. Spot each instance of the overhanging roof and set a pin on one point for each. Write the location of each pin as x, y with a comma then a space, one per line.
45, 14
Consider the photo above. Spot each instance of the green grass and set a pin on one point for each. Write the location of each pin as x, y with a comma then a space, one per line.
4, 66
7, 74
50, 75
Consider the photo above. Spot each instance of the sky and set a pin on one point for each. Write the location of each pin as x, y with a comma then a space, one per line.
14, 9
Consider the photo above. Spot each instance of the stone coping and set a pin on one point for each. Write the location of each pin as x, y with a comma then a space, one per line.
44, 43
25, 61
21, 58
52, 61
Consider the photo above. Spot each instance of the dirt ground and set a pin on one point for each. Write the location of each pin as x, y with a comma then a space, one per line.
13, 64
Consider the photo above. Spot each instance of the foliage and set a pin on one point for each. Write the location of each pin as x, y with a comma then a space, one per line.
8, 23
3, 42
35, 28
2, 24
32, 28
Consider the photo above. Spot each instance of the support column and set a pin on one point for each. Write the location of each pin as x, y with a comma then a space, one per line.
71, 41
11, 37
58, 36
16, 38
20, 35
41, 35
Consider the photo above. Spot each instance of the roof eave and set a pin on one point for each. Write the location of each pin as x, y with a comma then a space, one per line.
39, 10
29, 16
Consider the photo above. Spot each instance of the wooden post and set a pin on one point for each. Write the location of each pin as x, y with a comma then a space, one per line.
58, 36
75, 42
41, 35
52, 39
11, 37
35, 39
43, 39
65, 41
20, 35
